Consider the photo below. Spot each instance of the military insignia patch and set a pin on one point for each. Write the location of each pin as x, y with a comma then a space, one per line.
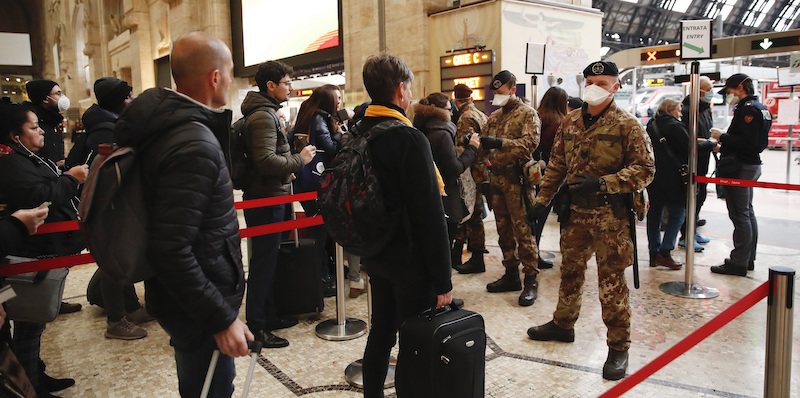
496, 84
597, 68
748, 119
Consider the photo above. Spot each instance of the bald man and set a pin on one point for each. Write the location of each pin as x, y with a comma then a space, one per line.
193, 233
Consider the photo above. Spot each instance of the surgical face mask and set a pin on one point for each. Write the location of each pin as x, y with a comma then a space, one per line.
594, 95
732, 99
63, 103
707, 97
500, 99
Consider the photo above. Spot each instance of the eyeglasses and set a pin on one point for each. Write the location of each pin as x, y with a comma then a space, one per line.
288, 83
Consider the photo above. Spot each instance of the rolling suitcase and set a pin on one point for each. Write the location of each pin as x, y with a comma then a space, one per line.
255, 351
442, 354
298, 284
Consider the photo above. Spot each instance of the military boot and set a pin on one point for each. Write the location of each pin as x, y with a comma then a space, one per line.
616, 364
474, 265
551, 332
509, 282
529, 292
455, 253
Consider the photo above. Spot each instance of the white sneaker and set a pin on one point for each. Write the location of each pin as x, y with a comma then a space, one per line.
357, 288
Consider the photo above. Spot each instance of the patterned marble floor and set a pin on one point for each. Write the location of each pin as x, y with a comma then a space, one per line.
730, 363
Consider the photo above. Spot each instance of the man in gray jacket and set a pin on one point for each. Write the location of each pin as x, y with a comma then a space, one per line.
273, 166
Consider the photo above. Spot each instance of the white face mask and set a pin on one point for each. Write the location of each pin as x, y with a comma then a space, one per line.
500, 99
707, 97
732, 99
63, 103
594, 95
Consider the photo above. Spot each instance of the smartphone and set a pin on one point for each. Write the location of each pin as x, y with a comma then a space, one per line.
44, 205
342, 115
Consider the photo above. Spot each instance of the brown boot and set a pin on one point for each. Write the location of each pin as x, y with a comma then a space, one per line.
667, 261
529, 292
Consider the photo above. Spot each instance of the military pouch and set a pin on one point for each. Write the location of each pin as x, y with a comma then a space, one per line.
563, 203
532, 172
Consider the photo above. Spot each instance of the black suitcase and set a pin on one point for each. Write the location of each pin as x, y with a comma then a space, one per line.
298, 284
442, 354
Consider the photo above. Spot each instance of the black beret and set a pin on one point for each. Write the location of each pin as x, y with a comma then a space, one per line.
574, 102
110, 92
38, 90
601, 68
462, 91
733, 81
501, 78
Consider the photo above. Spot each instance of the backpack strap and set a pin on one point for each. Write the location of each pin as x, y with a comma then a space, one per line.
382, 127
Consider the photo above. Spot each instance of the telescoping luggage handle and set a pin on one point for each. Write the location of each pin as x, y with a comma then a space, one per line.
432, 312
255, 351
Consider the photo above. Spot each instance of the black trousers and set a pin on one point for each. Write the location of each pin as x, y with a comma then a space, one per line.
115, 298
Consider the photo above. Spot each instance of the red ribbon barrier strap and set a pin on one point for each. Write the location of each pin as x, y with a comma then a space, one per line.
747, 183
45, 264
61, 226
275, 200
690, 341
280, 227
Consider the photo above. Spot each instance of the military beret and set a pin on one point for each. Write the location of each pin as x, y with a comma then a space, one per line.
38, 90
462, 91
733, 81
601, 68
501, 78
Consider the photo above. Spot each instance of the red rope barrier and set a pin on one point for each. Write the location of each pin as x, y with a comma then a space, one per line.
690, 341
747, 183
61, 226
280, 226
275, 200
45, 264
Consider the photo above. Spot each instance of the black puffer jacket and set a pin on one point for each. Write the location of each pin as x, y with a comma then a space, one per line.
441, 132
193, 242
27, 181
667, 186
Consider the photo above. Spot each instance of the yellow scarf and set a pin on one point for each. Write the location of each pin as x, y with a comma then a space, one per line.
382, 111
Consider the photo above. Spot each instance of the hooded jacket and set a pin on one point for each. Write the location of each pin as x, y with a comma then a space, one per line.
705, 121
441, 132
272, 160
99, 124
193, 234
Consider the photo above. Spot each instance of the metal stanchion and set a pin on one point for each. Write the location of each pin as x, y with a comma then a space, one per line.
780, 302
688, 288
341, 328
354, 373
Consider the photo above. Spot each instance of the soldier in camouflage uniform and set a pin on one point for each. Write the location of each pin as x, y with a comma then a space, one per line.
604, 155
512, 134
471, 121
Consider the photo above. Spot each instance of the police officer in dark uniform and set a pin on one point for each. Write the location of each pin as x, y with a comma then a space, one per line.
745, 139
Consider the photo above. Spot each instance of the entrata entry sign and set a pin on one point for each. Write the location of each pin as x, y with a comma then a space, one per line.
696, 37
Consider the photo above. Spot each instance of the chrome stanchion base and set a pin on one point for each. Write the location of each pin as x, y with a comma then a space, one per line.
697, 290
331, 330
354, 374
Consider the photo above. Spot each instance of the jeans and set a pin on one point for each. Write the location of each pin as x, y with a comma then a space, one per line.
740, 210
260, 306
193, 350
677, 214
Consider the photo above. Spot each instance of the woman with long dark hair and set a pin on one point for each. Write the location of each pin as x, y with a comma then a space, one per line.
552, 111
26, 181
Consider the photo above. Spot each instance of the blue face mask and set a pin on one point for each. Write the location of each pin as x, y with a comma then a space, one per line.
707, 96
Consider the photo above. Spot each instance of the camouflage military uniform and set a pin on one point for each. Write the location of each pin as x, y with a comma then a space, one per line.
473, 121
520, 128
617, 149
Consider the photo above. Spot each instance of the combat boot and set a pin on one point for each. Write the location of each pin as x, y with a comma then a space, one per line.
551, 332
616, 364
509, 282
474, 265
529, 292
455, 253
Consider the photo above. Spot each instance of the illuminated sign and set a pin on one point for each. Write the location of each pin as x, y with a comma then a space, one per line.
473, 58
471, 82
654, 82
478, 94
473, 69
771, 43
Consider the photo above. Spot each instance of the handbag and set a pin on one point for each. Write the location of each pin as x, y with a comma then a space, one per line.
38, 294
13, 381
728, 166
683, 168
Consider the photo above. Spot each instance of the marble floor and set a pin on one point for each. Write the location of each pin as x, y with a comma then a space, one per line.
730, 363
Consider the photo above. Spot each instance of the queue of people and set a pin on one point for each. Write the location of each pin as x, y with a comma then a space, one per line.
596, 157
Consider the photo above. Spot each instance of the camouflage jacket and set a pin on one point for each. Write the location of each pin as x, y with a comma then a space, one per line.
520, 128
615, 148
472, 121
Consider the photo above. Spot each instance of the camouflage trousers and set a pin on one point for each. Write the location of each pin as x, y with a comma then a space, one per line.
472, 229
596, 232
515, 237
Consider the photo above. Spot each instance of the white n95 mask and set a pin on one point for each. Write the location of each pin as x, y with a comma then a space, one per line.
500, 99
594, 95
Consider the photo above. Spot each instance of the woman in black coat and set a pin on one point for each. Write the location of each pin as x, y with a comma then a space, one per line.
432, 117
668, 189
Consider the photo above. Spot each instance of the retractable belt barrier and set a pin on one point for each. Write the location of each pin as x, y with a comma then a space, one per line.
86, 258
747, 183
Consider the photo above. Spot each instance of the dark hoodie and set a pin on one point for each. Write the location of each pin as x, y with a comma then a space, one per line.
193, 242
99, 124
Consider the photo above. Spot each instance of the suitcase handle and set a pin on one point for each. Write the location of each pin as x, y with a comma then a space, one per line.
432, 312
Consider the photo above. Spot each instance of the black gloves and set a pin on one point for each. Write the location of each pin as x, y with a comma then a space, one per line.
489, 142
586, 185
536, 212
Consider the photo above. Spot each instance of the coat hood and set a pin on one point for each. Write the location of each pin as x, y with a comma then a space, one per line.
159, 110
255, 99
430, 112
96, 115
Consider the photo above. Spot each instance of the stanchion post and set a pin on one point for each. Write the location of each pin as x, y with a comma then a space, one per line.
341, 328
780, 314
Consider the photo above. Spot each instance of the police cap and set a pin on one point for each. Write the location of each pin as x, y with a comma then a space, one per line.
733, 81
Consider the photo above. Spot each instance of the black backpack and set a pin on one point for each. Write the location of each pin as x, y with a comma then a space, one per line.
350, 198
241, 166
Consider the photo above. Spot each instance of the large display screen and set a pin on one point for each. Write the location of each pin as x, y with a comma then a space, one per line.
278, 29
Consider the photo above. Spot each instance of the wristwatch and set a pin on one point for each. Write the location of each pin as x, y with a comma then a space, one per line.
603, 185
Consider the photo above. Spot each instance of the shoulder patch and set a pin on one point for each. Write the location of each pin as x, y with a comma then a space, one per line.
767, 115
748, 118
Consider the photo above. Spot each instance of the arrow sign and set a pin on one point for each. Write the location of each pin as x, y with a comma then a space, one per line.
692, 47
766, 43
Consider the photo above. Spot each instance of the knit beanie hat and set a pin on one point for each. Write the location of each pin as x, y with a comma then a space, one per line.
38, 90
110, 92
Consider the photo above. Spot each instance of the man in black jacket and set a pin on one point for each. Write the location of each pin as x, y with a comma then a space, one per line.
49, 102
412, 272
193, 234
